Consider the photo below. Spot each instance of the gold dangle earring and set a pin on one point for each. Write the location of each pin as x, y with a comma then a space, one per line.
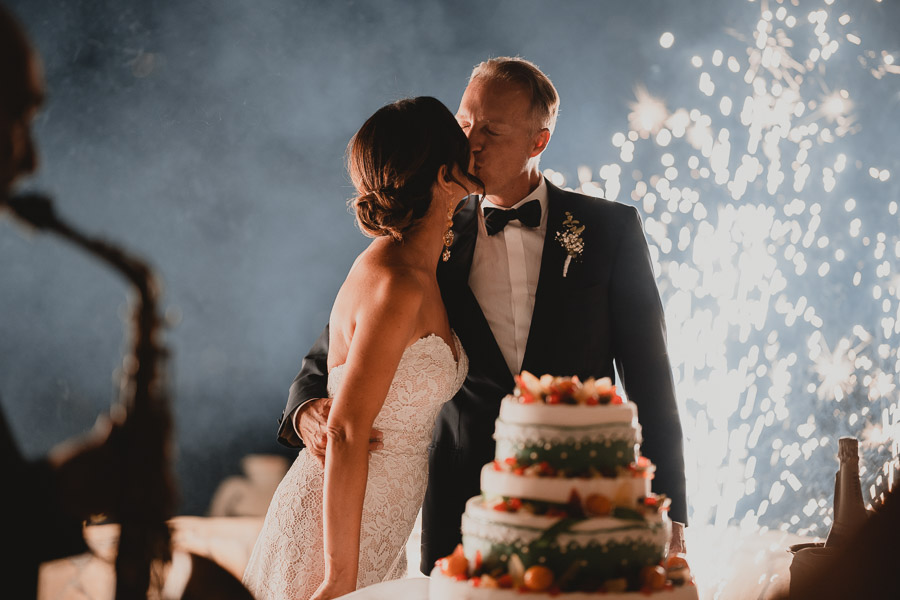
448, 236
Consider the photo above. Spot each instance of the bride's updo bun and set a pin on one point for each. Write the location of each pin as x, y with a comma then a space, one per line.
382, 213
394, 160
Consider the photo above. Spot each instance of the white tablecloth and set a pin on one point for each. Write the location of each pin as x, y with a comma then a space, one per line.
415, 588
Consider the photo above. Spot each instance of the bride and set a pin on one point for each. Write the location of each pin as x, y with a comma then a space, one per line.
393, 361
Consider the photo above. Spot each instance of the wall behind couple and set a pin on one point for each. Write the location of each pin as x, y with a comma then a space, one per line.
209, 136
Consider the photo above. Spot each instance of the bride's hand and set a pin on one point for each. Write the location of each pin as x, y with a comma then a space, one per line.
328, 590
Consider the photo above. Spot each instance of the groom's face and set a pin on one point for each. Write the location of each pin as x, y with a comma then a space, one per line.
497, 118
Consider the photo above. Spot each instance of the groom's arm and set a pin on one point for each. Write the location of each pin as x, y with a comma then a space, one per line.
310, 384
639, 342
305, 416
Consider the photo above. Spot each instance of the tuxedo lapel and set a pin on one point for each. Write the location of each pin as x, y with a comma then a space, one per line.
549, 299
466, 316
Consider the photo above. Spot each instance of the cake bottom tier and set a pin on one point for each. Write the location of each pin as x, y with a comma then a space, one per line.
441, 587
592, 550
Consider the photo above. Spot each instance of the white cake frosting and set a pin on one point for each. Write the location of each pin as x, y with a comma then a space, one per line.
566, 415
559, 490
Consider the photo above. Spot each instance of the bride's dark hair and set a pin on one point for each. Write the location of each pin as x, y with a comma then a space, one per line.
394, 160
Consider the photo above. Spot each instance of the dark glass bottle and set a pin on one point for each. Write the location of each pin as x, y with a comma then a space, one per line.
849, 509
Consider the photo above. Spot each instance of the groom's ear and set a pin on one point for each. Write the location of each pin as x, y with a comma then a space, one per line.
541, 139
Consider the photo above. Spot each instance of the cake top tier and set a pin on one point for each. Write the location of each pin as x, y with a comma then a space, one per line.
565, 390
570, 416
566, 402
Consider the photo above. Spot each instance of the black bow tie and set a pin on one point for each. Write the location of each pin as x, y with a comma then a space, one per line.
495, 219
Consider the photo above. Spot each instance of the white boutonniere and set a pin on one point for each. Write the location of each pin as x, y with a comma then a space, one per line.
570, 239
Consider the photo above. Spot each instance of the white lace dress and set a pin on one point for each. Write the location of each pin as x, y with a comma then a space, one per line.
288, 560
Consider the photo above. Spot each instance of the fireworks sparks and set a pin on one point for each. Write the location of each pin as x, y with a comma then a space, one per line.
836, 106
836, 370
648, 114
762, 253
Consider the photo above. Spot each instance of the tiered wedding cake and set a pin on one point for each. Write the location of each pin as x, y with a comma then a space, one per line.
566, 506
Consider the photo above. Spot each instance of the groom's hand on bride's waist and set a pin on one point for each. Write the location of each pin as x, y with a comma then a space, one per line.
676, 542
311, 424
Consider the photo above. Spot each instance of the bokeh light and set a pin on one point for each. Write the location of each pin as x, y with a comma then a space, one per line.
666, 40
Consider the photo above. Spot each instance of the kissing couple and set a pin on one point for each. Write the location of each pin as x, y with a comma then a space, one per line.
464, 285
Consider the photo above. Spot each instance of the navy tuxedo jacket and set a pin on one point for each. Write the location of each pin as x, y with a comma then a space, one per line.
605, 314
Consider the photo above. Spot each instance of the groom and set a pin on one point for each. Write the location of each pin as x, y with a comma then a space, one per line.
519, 299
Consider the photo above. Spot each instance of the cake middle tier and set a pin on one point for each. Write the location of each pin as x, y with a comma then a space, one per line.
570, 440
624, 491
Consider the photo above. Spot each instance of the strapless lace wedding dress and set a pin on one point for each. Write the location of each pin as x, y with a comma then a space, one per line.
288, 560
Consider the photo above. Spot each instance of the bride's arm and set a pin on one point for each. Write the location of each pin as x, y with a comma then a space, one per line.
385, 325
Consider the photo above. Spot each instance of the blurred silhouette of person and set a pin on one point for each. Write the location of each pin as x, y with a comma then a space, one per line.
117, 469
47, 499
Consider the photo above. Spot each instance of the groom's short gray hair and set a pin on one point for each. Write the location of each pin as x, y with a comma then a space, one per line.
514, 69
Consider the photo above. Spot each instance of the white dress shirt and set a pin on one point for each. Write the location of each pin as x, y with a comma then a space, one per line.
504, 277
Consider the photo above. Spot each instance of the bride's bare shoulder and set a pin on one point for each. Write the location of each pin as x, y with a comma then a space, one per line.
378, 276
380, 293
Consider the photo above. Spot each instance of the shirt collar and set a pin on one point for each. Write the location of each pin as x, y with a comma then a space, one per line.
539, 193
